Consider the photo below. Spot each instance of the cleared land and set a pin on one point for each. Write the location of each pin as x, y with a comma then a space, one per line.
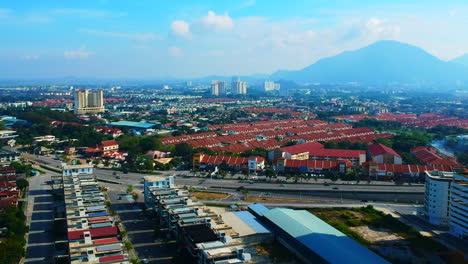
386, 235
279, 200
210, 195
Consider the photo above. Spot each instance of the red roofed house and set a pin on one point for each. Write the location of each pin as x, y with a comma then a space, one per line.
295, 152
203, 161
389, 171
314, 166
106, 148
429, 155
357, 157
383, 154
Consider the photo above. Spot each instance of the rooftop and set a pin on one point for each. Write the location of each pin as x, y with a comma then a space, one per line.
322, 238
133, 124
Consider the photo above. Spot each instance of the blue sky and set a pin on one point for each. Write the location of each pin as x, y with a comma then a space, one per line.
159, 39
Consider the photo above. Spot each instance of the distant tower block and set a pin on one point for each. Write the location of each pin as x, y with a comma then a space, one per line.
88, 102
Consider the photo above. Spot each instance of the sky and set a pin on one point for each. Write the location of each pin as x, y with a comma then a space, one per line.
156, 39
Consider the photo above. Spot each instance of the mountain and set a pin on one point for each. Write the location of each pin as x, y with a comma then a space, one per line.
463, 60
382, 62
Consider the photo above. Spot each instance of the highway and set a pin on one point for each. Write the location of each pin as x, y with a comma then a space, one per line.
375, 191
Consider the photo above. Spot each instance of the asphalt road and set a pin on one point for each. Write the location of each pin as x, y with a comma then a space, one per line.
40, 247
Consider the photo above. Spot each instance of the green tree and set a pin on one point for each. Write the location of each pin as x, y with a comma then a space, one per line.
2, 125
130, 189
147, 144
22, 183
183, 150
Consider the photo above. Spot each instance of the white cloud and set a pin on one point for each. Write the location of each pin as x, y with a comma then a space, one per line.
181, 28
80, 53
88, 13
132, 36
174, 52
217, 22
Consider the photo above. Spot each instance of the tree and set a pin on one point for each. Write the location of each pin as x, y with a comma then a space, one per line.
270, 173
130, 189
147, 144
2, 125
22, 183
183, 150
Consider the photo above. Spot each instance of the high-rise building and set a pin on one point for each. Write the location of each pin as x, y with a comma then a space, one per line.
269, 86
277, 86
239, 88
222, 86
88, 102
445, 201
215, 88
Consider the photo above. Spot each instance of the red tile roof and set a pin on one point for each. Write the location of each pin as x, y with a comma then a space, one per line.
408, 168
380, 149
315, 164
8, 201
105, 241
301, 148
107, 143
95, 232
337, 153
111, 258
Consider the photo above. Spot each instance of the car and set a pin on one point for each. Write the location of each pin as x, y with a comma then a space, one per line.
145, 261
326, 184
114, 173
335, 188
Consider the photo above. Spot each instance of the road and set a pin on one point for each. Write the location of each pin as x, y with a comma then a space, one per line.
40, 218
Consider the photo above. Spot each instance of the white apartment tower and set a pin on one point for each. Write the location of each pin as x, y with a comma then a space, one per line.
269, 86
239, 87
88, 102
446, 201
215, 88
222, 86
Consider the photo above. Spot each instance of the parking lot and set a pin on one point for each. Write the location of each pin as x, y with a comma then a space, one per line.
141, 229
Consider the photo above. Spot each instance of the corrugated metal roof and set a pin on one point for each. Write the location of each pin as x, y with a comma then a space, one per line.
251, 221
321, 237
258, 208
132, 124
108, 247
100, 225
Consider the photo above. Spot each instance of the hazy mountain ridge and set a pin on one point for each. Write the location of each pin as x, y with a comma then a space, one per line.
382, 62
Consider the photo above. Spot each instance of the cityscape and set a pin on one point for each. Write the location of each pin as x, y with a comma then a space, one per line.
223, 132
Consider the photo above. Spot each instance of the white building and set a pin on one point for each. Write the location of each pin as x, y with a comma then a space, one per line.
458, 213
75, 170
222, 86
269, 86
437, 198
239, 87
88, 102
151, 182
446, 199
215, 88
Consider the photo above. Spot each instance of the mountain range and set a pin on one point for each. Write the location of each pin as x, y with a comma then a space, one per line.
382, 62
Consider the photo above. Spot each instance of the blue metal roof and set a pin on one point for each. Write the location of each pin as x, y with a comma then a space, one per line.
132, 124
252, 221
258, 208
98, 214
322, 238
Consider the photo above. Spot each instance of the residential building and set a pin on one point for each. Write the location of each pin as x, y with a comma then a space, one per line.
458, 213
7, 157
384, 171
203, 161
311, 166
222, 87
430, 156
8, 191
268, 86
93, 234
383, 154
215, 88
7, 134
151, 182
88, 102
445, 201
295, 152
239, 87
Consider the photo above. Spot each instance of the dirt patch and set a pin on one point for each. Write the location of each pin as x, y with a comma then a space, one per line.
210, 195
376, 235
280, 200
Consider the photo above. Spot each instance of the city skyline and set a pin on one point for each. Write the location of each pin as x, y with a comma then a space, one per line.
115, 39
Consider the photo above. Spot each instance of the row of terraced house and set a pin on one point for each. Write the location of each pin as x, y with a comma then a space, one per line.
93, 233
